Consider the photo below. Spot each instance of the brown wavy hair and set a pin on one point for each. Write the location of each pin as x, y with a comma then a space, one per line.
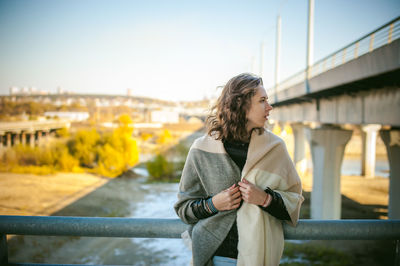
228, 116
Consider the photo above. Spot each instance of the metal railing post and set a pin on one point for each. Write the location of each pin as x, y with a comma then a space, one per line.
371, 42
344, 56
390, 33
356, 50
3, 250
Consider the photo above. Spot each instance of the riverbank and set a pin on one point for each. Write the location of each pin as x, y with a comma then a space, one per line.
28, 194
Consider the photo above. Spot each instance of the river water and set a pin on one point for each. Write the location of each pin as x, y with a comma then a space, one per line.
120, 198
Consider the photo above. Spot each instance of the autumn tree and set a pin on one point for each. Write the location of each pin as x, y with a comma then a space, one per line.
165, 137
120, 151
84, 147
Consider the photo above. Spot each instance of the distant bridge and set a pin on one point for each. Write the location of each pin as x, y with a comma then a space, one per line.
356, 87
12, 133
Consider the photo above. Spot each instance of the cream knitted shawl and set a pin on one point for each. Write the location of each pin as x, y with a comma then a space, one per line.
260, 234
208, 170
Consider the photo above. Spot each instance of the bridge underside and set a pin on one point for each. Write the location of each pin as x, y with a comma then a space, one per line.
379, 106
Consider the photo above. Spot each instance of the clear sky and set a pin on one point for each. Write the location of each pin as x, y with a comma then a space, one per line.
173, 50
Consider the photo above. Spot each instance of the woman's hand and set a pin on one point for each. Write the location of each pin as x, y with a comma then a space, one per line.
251, 193
227, 199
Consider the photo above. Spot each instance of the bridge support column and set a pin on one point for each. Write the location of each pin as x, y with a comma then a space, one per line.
8, 140
32, 139
46, 133
299, 147
368, 154
391, 138
39, 136
23, 138
16, 140
327, 145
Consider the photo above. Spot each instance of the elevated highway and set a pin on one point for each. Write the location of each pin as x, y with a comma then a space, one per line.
12, 133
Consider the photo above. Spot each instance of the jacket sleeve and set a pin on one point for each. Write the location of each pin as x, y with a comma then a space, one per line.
201, 209
190, 191
277, 207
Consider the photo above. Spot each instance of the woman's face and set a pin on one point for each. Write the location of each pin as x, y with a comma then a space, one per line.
259, 110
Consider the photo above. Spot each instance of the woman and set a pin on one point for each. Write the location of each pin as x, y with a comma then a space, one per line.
238, 183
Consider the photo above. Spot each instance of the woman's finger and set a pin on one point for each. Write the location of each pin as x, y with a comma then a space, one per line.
243, 190
233, 190
238, 200
236, 195
243, 185
235, 206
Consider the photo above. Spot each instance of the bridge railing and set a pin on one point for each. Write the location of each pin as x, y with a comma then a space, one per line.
172, 228
366, 44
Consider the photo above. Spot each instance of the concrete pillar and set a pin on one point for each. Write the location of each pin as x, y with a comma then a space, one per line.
16, 139
32, 139
368, 151
391, 138
1, 141
39, 136
23, 138
327, 145
299, 147
8, 140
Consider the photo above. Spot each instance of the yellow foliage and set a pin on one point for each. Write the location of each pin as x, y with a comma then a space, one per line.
288, 129
47, 156
112, 154
38, 160
165, 137
63, 132
33, 169
119, 152
66, 162
277, 129
146, 136
110, 163
83, 146
125, 120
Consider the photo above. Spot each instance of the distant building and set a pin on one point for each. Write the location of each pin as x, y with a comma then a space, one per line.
164, 116
71, 116
13, 90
